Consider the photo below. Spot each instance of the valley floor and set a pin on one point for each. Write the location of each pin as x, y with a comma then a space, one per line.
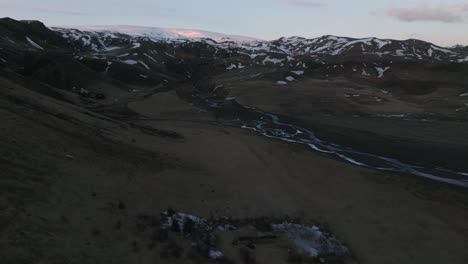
75, 184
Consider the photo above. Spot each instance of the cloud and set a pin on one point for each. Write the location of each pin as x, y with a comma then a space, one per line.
445, 13
424, 14
304, 3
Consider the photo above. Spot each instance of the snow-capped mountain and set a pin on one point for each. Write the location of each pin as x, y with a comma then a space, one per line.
105, 38
152, 55
163, 33
340, 46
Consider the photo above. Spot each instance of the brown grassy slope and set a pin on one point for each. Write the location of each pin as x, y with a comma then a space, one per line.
74, 184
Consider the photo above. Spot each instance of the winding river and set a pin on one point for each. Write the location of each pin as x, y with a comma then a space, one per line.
270, 125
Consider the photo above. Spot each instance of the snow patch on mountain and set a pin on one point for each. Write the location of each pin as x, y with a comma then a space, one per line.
463, 60
34, 44
442, 49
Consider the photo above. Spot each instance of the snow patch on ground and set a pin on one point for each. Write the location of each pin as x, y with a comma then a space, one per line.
281, 83
272, 60
34, 44
310, 239
393, 115
400, 53
255, 55
463, 60
381, 71
123, 55
149, 57
86, 40
181, 218
109, 63
130, 62
382, 43
144, 65
215, 254
307, 239
298, 72
430, 52
442, 50
110, 48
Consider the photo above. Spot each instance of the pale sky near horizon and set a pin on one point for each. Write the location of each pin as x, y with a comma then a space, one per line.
444, 22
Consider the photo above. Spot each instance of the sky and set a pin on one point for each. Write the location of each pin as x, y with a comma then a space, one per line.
444, 22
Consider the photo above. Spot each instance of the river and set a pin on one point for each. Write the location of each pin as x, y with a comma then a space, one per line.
271, 126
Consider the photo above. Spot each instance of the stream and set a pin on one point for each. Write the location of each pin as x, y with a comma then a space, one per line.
271, 126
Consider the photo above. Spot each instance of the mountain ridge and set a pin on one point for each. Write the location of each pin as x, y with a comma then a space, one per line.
174, 33
163, 33
324, 47
193, 34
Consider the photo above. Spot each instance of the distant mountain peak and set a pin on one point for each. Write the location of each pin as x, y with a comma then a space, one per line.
163, 33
